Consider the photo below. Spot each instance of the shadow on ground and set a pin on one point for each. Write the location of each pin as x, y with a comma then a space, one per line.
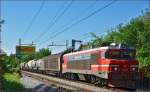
10, 83
44, 88
12, 86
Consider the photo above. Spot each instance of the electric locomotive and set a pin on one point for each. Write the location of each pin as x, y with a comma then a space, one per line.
113, 65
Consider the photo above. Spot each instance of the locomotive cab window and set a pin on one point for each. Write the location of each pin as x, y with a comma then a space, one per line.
103, 54
120, 54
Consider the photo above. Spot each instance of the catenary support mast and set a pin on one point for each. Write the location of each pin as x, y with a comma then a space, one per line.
1, 22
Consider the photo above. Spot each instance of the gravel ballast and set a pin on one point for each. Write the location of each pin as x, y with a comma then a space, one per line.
33, 85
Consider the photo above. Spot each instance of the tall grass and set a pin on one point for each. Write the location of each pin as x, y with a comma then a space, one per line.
11, 83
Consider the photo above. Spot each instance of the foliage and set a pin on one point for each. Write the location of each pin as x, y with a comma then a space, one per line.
10, 63
134, 34
40, 54
11, 83
3, 62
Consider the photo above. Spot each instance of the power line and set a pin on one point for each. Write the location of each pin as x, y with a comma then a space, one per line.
56, 19
89, 7
83, 12
50, 23
79, 21
87, 36
33, 19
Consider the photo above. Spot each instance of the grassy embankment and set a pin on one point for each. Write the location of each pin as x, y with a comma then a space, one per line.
11, 83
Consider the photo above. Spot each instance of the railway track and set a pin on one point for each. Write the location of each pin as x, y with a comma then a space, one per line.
70, 86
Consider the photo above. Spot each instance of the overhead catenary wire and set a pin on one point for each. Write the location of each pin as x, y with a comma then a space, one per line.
84, 11
85, 35
33, 19
88, 8
50, 24
56, 18
88, 35
79, 21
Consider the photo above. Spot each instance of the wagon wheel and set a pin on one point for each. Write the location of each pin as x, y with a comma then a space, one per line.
93, 79
101, 82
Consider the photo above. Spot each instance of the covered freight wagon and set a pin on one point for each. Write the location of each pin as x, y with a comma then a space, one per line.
52, 63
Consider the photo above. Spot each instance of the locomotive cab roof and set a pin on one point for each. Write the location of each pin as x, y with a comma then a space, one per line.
110, 47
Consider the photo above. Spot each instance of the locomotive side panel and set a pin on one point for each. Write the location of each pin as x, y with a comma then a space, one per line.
82, 61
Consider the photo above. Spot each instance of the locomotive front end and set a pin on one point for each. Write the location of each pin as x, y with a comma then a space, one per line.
123, 69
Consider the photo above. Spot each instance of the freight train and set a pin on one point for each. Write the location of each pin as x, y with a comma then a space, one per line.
113, 65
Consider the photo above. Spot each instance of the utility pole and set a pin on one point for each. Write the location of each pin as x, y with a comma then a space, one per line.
1, 22
67, 44
19, 51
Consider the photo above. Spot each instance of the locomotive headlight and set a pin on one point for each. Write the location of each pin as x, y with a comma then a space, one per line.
115, 68
133, 68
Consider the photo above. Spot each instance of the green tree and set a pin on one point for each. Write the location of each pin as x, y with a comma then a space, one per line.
42, 53
134, 34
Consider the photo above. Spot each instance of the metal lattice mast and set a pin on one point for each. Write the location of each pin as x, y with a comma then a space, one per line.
0, 39
1, 22
0, 27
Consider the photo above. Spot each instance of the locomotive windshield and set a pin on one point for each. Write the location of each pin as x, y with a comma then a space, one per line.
120, 54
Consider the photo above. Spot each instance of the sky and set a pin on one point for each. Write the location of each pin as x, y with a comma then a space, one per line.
29, 19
